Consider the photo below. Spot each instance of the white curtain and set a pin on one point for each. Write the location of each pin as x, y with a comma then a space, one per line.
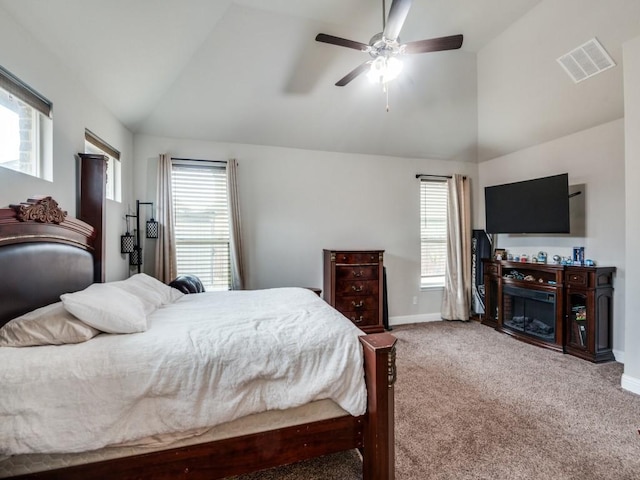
456, 299
165, 262
235, 237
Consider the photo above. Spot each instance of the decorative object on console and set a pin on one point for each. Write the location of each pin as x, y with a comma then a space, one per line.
127, 243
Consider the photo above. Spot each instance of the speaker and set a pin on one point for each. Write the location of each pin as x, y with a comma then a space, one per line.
480, 248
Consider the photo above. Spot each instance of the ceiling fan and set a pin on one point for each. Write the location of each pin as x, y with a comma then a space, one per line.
385, 47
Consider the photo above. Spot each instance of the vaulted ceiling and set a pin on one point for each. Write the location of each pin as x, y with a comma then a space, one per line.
249, 71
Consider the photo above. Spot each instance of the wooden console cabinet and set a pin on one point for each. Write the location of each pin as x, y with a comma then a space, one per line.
353, 285
564, 308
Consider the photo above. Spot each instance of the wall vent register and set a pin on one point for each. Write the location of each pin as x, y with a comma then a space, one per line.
586, 61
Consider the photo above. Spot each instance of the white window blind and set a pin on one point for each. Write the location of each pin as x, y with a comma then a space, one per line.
201, 215
433, 233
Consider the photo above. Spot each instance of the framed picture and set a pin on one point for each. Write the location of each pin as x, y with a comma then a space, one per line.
499, 254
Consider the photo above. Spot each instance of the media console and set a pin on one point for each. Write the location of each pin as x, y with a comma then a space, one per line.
563, 308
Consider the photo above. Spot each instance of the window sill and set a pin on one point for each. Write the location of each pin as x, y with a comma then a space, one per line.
430, 288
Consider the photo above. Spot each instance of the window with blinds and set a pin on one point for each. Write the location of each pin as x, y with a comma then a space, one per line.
201, 216
433, 233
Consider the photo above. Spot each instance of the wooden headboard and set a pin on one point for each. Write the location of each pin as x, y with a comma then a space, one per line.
43, 254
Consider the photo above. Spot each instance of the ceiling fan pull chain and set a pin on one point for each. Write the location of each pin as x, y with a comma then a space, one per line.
386, 92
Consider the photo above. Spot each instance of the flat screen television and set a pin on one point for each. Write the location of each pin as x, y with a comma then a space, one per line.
538, 206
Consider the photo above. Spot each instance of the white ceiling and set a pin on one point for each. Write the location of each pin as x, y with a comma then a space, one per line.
249, 71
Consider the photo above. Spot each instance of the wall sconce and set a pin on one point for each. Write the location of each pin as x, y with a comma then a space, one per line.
152, 228
127, 241
132, 245
135, 258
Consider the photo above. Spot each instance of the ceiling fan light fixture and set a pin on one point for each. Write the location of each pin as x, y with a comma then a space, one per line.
384, 69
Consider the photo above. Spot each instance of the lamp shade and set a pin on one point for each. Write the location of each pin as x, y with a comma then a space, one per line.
152, 229
126, 243
135, 257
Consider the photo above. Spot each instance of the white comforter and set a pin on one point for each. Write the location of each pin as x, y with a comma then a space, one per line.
206, 359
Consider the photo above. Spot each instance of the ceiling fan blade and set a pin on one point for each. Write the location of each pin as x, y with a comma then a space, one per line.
397, 15
434, 44
342, 42
353, 74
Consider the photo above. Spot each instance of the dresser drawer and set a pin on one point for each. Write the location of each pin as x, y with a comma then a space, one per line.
357, 272
491, 269
580, 279
357, 287
363, 318
349, 303
351, 258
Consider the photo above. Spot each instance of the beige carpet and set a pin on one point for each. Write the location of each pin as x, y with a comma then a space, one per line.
472, 403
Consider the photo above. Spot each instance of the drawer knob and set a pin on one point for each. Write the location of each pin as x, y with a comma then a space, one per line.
357, 289
357, 274
359, 304
357, 320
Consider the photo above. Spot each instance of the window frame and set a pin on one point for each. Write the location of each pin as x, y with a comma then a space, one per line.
40, 140
437, 235
94, 144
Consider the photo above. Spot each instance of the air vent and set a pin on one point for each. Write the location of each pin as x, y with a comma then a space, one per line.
586, 61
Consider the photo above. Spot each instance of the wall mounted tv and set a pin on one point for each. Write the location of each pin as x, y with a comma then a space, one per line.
538, 206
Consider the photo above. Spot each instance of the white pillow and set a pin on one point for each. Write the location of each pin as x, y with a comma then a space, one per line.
108, 308
149, 285
50, 325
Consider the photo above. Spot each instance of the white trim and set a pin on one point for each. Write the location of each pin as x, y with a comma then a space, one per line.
422, 318
630, 383
619, 354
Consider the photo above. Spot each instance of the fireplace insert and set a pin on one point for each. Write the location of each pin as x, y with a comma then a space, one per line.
532, 312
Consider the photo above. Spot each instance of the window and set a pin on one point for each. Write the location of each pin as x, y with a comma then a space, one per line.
93, 144
201, 216
433, 233
26, 131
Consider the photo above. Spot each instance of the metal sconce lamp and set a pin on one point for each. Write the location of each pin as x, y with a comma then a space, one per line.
127, 241
132, 245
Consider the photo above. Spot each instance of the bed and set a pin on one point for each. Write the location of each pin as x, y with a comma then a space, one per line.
45, 253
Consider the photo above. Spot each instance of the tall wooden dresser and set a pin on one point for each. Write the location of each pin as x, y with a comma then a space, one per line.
353, 285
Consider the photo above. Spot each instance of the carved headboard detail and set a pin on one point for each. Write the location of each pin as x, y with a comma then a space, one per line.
43, 253
40, 209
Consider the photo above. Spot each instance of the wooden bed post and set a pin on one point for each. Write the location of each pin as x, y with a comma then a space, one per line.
93, 186
380, 375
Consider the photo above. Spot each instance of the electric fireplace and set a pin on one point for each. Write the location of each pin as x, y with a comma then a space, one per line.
532, 312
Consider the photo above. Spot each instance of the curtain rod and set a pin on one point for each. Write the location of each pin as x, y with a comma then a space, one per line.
420, 175
197, 160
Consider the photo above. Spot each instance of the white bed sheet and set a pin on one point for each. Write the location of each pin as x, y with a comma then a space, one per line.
206, 359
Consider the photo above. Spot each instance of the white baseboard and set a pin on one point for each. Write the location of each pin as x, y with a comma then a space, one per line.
619, 354
630, 383
422, 318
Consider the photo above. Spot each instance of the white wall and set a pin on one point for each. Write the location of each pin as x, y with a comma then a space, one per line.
296, 202
631, 377
594, 157
74, 109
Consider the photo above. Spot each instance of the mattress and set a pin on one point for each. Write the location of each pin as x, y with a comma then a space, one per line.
206, 359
